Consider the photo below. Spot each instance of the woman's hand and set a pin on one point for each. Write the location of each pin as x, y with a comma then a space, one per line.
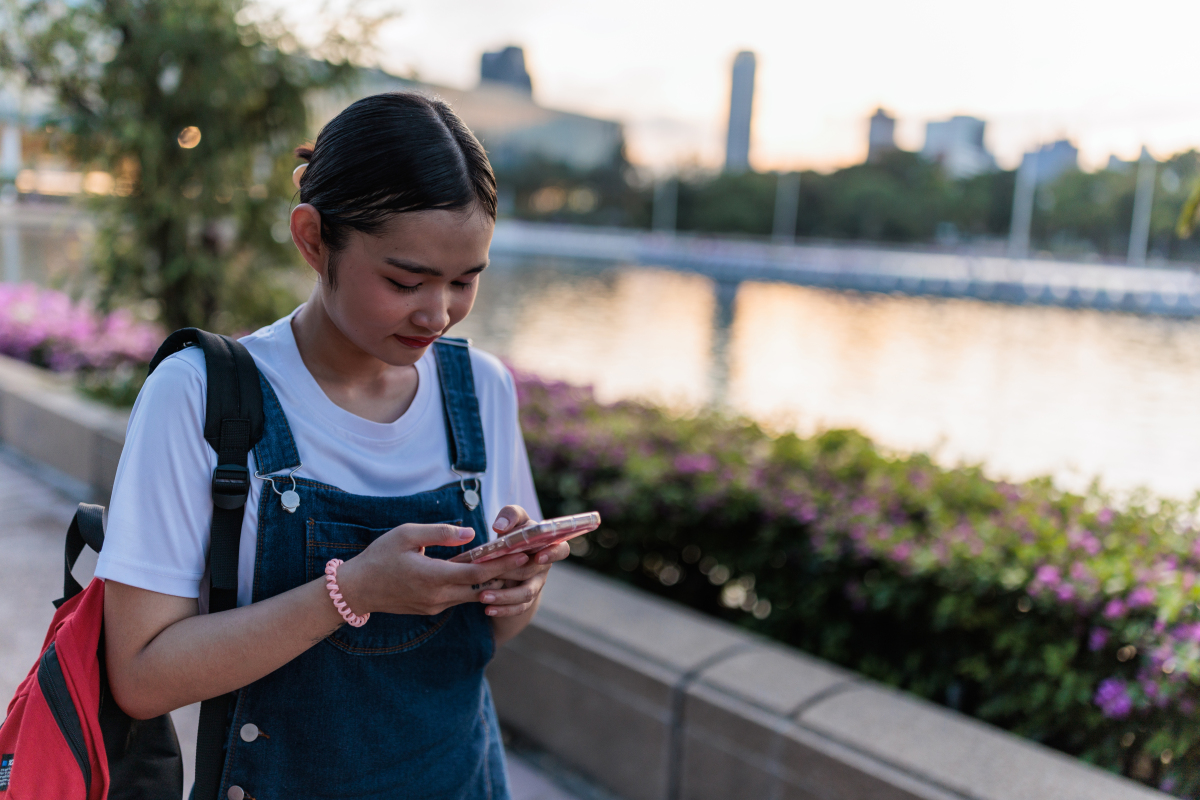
394, 576
512, 599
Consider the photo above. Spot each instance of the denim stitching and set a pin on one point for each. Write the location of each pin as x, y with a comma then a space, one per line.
409, 645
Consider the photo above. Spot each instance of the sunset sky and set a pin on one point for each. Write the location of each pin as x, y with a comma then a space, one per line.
1108, 76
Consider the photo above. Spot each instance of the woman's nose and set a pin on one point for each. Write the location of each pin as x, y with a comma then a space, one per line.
434, 316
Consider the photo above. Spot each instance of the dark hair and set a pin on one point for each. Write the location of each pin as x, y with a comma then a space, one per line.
388, 154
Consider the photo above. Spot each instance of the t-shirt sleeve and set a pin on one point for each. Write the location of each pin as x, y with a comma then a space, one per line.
161, 507
518, 458
508, 462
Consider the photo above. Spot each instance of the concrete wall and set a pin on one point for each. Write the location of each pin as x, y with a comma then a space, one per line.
74, 442
651, 699
658, 702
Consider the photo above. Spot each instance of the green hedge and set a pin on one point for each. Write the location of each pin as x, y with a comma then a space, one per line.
1051, 614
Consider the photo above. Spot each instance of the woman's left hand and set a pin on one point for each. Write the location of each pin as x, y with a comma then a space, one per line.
516, 593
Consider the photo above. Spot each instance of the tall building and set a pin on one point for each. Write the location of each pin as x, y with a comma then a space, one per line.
957, 144
506, 66
1052, 160
741, 104
881, 136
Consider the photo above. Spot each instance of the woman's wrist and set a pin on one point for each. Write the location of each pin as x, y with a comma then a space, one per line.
350, 584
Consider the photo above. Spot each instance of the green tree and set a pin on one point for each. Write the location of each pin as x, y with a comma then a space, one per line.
193, 107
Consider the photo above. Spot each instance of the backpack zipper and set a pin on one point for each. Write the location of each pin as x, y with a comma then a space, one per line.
58, 697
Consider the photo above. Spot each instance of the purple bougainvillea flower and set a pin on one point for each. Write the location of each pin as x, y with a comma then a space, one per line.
1112, 697
691, 463
1115, 609
1048, 576
1141, 597
1097, 639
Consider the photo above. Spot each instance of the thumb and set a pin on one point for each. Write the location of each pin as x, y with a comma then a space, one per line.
417, 536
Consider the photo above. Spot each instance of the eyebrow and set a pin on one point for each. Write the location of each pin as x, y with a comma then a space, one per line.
417, 269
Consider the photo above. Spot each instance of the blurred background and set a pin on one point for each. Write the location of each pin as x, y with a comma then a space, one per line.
963, 231
866, 129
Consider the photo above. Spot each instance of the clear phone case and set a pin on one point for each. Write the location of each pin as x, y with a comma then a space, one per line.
533, 536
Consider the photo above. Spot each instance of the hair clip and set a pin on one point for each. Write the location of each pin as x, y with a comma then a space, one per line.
298, 173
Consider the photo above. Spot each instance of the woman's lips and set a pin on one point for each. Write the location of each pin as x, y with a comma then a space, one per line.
416, 341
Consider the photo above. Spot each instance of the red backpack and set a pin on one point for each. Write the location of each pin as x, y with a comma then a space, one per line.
64, 736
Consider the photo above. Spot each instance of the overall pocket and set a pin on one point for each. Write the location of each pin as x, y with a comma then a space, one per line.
384, 634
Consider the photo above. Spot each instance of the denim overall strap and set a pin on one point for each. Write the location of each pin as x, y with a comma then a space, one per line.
463, 426
276, 450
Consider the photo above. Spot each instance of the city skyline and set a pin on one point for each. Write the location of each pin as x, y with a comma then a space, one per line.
1110, 77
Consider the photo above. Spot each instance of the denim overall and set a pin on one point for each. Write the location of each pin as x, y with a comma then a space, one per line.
398, 708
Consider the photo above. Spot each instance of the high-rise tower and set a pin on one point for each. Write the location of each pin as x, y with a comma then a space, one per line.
741, 104
881, 136
506, 66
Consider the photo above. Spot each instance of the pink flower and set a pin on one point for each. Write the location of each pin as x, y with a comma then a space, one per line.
1141, 597
1097, 639
1112, 696
1048, 576
1065, 592
691, 463
902, 551
1115, 609
1104, 516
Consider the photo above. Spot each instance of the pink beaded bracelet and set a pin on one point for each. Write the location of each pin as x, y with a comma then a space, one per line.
335, 594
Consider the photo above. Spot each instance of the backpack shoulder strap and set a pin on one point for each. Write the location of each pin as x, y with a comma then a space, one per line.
87, 528
233, 424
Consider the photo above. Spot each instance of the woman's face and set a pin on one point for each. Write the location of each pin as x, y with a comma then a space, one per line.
398, 291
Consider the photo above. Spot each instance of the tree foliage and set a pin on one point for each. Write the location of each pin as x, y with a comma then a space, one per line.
194, 226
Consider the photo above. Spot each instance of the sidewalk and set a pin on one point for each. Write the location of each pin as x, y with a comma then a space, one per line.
35, 518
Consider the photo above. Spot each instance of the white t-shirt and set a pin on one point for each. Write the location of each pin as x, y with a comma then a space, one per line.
161, 509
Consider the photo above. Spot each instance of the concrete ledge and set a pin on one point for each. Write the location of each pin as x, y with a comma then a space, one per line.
649, 698
657, 702
77, 441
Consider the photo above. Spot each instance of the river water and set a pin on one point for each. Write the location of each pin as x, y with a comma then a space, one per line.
1023, 390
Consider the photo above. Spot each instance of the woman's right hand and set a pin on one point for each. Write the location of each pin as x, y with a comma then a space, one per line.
394, 576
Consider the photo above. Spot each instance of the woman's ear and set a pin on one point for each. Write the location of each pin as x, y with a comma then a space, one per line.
306, 235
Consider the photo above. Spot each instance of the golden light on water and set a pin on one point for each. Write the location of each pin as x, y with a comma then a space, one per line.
189, 137
1025, 391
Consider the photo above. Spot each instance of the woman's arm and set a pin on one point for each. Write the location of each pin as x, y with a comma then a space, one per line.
162, 655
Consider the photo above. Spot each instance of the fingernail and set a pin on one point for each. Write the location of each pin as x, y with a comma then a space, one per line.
524, 558
491, 612
466, 533
489, 597
542, 559
501, 523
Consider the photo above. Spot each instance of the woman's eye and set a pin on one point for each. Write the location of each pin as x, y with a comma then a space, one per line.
402, 287
461, 285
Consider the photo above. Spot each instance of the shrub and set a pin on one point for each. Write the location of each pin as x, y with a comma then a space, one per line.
107, 352
1051, 614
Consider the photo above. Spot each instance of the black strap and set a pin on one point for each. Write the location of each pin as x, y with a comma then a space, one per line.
233, 424
87, 527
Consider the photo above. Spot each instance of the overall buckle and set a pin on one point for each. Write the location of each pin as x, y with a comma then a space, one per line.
230, 486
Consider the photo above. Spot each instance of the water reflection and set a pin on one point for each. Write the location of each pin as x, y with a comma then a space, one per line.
1025, 390
631, 332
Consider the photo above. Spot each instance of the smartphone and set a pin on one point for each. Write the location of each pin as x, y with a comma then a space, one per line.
533, 536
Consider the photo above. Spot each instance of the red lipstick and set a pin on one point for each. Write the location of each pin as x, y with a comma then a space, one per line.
416, 342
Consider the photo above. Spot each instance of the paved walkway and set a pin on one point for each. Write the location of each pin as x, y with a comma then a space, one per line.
33, 521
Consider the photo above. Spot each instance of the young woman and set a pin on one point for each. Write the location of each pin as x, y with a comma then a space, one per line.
398, 204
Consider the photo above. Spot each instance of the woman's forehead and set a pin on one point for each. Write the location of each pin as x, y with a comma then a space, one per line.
437, 238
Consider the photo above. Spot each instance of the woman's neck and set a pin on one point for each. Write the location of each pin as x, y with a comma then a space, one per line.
353, 379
